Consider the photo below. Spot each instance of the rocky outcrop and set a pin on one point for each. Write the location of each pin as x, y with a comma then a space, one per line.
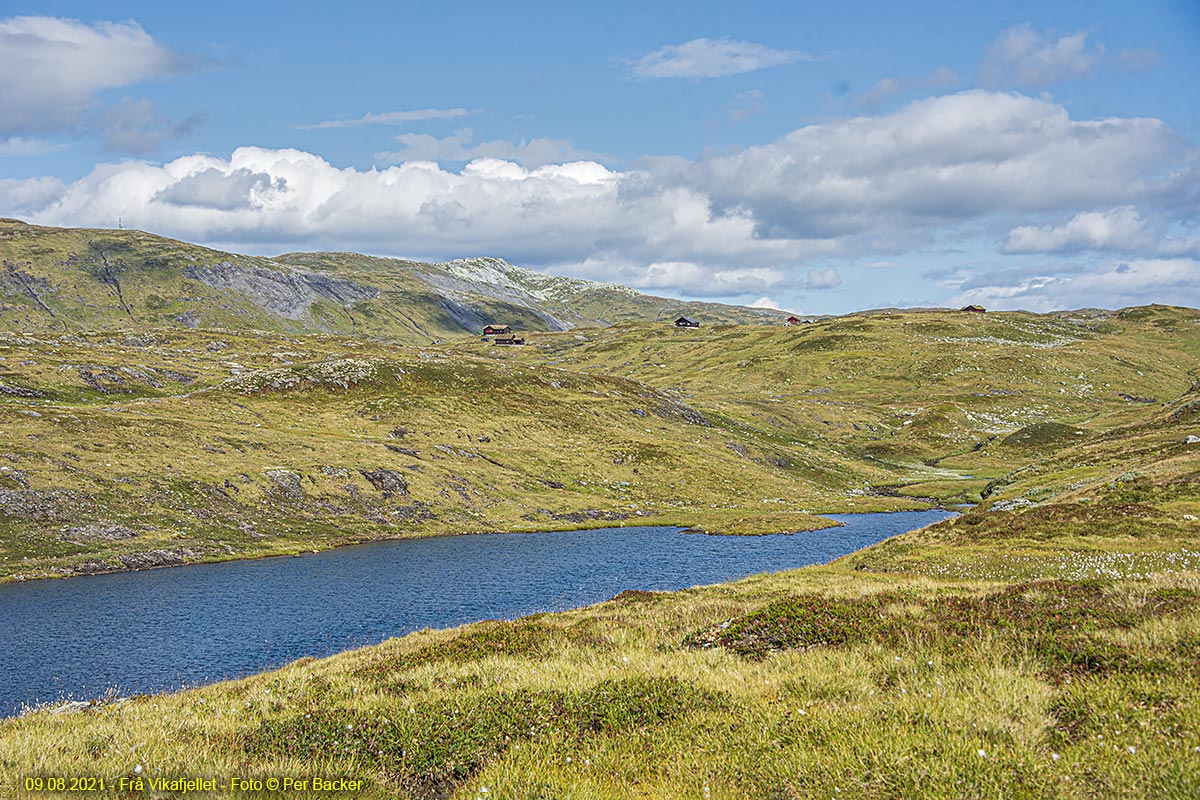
19, 391
148, 559
387, 481
286, 293
54, 505
99, 531
285, 484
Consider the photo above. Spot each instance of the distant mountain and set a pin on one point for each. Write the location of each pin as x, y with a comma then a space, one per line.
65, 279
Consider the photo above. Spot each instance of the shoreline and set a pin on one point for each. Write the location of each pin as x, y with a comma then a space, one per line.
298, 552
74, 705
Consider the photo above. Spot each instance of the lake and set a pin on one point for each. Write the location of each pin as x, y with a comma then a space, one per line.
161, 629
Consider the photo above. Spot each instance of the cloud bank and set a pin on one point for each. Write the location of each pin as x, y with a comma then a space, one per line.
756, 222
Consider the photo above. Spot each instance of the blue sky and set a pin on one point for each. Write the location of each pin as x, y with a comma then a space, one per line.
814, 156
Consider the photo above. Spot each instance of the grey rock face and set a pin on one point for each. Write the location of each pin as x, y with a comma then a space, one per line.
387, 481
286, 484
99, 531
154, 558
286, 293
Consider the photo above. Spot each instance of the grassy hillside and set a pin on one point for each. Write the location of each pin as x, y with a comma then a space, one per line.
75, 279
125, 450
1046, 643
1060, 657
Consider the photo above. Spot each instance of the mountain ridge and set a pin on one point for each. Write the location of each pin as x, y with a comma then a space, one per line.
79, 279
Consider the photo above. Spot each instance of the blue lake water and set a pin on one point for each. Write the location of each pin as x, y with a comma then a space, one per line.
161, 629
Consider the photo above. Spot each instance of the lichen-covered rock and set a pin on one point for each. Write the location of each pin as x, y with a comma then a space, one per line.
97, 531
286, 484
387, 481
147, 559
342, 373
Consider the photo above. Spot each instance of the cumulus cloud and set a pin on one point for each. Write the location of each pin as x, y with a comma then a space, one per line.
711, 58
54, 67
24, 196
765, 302
222, 191
939, 161
749, 223
827, 278
552, 214
1021, 56
390, 118
696, 279
459, 147
1121, 229
1114, 285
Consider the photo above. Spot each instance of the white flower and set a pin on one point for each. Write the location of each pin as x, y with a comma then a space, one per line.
137, 770
982, 753
1055, 756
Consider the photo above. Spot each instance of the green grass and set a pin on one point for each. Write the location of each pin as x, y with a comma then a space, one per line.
1045, 643
1048, 651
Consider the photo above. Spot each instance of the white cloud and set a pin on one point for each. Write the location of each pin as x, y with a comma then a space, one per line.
940, 161
940, 78
54, 67
390, 118
217, 190
459, 147
687, 277
138, 127
1117, 229
1117, 284
273, 199
711, 58
827, 278
22, 146
1121, 229
749, 223
19, 196
765, 302
1021, 56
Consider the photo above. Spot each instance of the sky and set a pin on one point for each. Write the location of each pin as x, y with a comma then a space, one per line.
811, 156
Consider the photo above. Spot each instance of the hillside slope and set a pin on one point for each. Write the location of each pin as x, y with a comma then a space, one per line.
74, 279
1049, 651
125, 450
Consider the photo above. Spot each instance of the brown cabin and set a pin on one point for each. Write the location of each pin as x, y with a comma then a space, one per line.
974, 309
793, 321
510, 339
497, 330
684, 322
